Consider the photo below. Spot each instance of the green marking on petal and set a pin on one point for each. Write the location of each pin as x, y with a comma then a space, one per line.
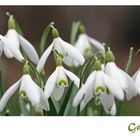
22, 93
62, 83
97, 101
99, 90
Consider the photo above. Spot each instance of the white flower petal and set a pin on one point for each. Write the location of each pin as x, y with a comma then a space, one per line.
7, 52
88, 96
72, 52
98, 82
84, 92
12, 36
31, 89
96, 44
73, 77
58, 93
107, 101
29, 49
50, 84
116, 74
112, 111
82, 43
61, 77
137, 82
7, 95
135, 75
12, 48
122, 78
44, 104
131, 89
69, 61
44, 57
113, 87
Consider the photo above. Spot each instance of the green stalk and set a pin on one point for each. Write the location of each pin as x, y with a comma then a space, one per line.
130, 59
44, 37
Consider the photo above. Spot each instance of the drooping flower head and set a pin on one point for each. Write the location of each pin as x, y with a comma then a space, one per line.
66, 51
87, 45
122, 78
58, 81
27, 88
10, 44
101, 87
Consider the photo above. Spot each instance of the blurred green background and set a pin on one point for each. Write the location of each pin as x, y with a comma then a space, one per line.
118, 26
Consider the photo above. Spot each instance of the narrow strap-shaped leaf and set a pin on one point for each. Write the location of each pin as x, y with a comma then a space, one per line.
86, 69
74, 31
52, 111
44, 37
66, 99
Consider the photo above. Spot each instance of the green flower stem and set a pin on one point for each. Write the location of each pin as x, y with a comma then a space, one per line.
130, 59
44, 37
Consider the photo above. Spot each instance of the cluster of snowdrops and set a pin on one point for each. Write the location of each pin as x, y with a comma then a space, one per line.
85, 75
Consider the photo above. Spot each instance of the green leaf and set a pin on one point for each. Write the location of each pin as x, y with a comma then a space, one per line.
44, 37
52, 111
74, 31
66, 99
86, 69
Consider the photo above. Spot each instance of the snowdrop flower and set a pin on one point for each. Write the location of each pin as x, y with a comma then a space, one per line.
122, 78
62, 49
101, 87
27, 88
11, 42
136, 78
87, 45
58, 81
